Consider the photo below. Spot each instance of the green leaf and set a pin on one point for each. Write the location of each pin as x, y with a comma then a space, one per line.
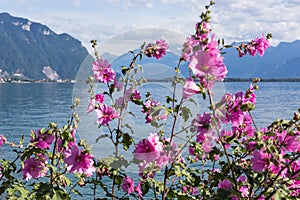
127, 141
60, 194
21, 140
185, 113
19, 191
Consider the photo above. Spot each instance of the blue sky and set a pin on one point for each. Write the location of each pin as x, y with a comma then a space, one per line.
233, 20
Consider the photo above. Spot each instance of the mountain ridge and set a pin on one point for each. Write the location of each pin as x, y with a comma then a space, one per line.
30, 50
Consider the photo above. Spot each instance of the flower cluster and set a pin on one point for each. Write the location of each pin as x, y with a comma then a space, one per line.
153, 154
34, 167
157, 49
257, 45
42, 139
204, 57
102, 71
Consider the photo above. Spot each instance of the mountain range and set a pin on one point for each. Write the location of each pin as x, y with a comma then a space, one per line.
33, 51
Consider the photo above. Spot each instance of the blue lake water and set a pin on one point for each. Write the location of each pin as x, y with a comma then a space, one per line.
27, 106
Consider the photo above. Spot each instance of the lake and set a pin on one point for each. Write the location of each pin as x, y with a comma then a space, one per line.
29, 106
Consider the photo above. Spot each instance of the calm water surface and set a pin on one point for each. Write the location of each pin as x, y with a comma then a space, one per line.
25, 107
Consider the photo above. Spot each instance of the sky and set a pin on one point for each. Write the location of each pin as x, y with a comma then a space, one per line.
233, 20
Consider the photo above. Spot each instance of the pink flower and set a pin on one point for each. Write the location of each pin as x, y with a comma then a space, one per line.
60, 146
138, 189
225, 184
258, 45
190, 88
207, 146
192, 151
262, 44
202, 30
188, 47
106, 114
42, 139
2, 140
102, 71
184, 189
99, 65
242, 178
208, 66
136, 94
294, 188
99, 98
34, 168
148, 149
150, 103
79, 161
157, 50
260, 160
127, 185
118, 85
91, 106
244, 191
189, 189
202, 122
290, 143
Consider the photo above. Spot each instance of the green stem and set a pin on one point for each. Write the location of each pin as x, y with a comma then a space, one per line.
175, 116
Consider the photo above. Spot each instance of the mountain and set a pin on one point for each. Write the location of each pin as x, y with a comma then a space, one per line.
32, 50
282, 61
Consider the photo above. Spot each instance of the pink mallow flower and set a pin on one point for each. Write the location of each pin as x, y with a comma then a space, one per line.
42, 139
148, 149
138, 189
157, 50
136, 94
258, 45
208, 65
103, 71
99, 98
2, 140
289, 142
202, 122
260, 160
225, 184
262, 44
34, 168
127, 185
79, 161
190, 88
106, 114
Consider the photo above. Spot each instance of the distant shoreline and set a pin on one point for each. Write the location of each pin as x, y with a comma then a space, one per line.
240, 80
158, 80
262, 79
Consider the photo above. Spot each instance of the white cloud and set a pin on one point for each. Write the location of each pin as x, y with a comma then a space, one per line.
76, 3
233, 20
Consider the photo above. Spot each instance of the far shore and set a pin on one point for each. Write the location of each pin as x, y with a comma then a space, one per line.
150, 80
